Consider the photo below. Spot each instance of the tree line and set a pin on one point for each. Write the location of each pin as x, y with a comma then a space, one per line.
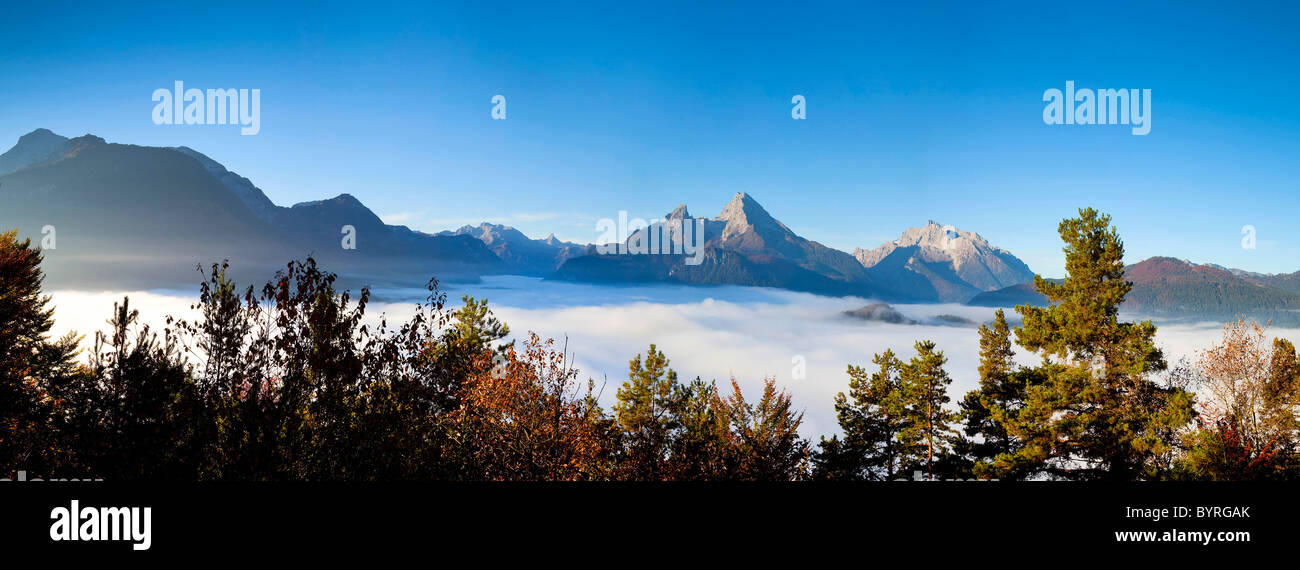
291, 382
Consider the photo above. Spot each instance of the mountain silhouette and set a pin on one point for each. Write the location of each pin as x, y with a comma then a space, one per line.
128, 215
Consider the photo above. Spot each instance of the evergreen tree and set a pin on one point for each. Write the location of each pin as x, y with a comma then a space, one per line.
470, 344
929, 430
873, 415
1097, 414
987, 409
765, 436
31, 364
644, 413
476, 329
1282, 400
699, 448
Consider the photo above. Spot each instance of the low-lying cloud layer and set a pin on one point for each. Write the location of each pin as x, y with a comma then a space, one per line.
713, 333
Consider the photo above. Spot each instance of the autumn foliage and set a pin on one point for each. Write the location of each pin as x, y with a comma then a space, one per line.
292, 382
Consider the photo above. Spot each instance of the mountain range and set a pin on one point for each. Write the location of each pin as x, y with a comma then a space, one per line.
137, 216
145, 216
744, 244
1179, 289
126, 215
521, 254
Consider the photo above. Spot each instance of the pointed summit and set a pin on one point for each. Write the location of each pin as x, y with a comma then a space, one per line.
743, 245
743, 214
742, 207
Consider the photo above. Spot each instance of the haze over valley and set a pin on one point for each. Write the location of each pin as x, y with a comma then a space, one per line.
136, 221
762, 301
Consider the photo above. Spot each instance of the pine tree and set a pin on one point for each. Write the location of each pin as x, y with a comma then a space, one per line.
929, 430
31, 364
644, 414
1282, 399
1098, 414
872, 416
987, 409
699, 448
477, 329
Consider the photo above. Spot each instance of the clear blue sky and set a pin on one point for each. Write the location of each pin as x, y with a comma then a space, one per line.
929, 111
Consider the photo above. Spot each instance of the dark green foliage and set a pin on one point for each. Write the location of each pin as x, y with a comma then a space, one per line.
698, 450
137, 409
644, 413
896, 421
929, 429
1097, 414
1281, 394
996, 403
29, 362
873, 416
671, 431
293, 382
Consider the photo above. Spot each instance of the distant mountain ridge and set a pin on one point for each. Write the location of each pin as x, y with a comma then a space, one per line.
140, 216
145, 216
1284, 281
522, 254
1177, 288
1171, 287
177, 207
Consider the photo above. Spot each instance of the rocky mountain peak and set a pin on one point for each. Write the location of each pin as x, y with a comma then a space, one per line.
743, 208
743, 214
940, 236
953, 260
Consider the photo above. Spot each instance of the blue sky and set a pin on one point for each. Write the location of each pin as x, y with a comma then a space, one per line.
928, 111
